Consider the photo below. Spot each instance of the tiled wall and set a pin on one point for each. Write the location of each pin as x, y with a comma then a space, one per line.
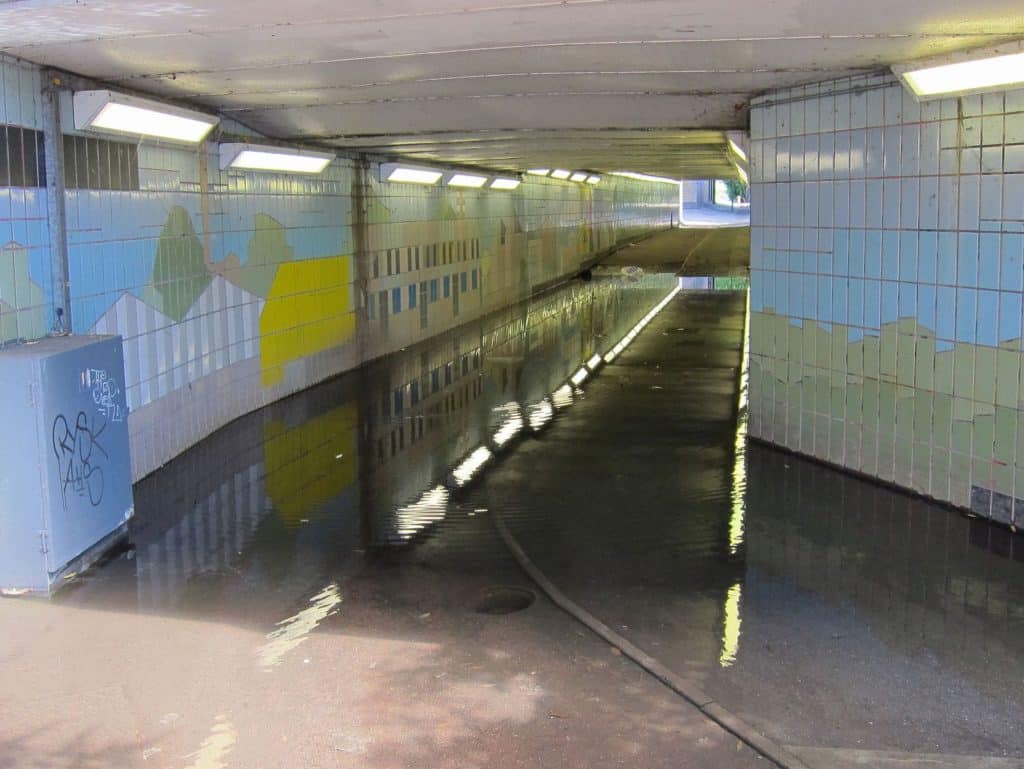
437, 257
233, 289
887, 277
24, 235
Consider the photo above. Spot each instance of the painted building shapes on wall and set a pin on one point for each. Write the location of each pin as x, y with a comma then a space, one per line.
22, 302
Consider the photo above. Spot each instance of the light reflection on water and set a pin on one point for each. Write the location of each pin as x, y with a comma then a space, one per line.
370, 458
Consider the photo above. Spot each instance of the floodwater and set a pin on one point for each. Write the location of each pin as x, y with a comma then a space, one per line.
345, 539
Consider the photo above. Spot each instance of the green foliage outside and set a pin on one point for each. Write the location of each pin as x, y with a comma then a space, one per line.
736, 189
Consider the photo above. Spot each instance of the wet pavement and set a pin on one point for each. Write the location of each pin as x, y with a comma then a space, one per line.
322, 583
693, 251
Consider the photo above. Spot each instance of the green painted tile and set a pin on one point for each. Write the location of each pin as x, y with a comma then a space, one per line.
942, 420
855, 359
923, 410
887, 353
836, 438
869, 452
855, 404
944, 372
985, 374
837, 396
938, 486
963, 434
821, 444
871, 357
984, 437
924, 363
823, 392
886, 408
886, 459
1002, 478
869, 408
906, 358
795, 342
853, 456
823, 347
963, 371
1008, 378
904, 461
838, 340
981, 472
960, 474
922, 464
905, 412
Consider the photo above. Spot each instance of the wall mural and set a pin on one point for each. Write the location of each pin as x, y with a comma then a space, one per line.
22, 301
233, 289
887, 282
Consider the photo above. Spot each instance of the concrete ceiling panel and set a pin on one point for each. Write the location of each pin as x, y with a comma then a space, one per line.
604, 83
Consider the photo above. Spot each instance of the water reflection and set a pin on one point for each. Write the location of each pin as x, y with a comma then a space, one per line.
739, 468
368, 459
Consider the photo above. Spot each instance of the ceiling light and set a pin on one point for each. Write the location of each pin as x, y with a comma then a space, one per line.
957, 74
593, 179
120, 113
560, 173
396, 172
466, 180
255, 157
579, 176
539, 171
646, 177
504, 184
737, 150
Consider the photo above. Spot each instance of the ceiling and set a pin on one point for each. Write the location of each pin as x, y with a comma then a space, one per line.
640, 85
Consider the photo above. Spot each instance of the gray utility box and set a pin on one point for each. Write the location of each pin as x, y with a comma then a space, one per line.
65, 469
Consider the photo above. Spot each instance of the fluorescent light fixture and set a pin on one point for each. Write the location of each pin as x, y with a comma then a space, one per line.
256, 157
539, 171
503, 183
991, 69
398, 172
579, 176
120, 113
737, 150
594, 362
646, 177
467, 180
560, 173
592, 179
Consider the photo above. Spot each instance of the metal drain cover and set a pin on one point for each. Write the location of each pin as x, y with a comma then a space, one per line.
504, 600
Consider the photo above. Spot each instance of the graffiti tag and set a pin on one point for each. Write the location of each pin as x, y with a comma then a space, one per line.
80, 457
104, 392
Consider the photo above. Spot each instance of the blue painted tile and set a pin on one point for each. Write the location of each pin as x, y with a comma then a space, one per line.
988, 260
966, 315
967, 259
946, 258
945, 306
987, 320
1010, 312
